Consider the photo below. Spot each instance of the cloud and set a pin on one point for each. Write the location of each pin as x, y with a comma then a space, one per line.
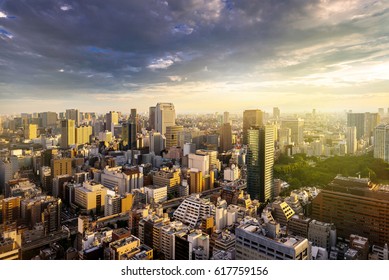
66, 8
256, 46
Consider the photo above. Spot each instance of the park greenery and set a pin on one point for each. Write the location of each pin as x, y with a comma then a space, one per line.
301, 171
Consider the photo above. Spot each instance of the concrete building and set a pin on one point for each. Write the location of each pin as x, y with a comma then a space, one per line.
165, 115
192, 210
347, 201
124, 181
156, 194
256, 242
225, 137
381, 142
73, 114
297, 130
83, 134
157, 143
111, 119
61, 166
322, 234
351, 138
91, 197
68, 135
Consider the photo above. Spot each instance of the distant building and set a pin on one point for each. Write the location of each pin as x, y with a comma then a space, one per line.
381, 142
296, 127
251, 118
165, 115
68, 136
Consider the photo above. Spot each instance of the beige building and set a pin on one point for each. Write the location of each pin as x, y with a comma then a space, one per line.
61, 166
83, 134
91, 197
31, 131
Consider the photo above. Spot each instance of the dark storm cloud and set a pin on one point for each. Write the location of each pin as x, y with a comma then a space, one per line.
121, 46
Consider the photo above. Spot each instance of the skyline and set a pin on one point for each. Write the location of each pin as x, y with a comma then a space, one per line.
232, 55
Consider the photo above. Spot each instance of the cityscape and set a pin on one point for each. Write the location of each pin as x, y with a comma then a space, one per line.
194, 130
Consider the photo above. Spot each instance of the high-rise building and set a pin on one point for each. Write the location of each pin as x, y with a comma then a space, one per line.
30, 131
73, 114
371, 122
49, 119
195, 181
111, 119
157, 143
10, 212
226, 117
226, 137
251, 118
297, 129
6, 174
192, 210
172, 134
276, 113
61, 166
199, 162
129, 136
68, 136
152, 118
351, 138
83, 134
381, 142
260, 162
165, 115
358, 121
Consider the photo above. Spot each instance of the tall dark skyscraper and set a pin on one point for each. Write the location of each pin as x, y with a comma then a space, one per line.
251, 118
73, 114
260, 162
225, 137
152, 118
129, 135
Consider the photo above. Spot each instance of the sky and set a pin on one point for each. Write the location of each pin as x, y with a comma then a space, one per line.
201, 55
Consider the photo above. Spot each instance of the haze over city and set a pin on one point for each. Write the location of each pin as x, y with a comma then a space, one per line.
226, 55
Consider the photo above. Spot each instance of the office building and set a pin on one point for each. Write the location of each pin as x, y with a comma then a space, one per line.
225, 137
49, 119
322, 234
351, 138
255, 243
156, 194
124, 181
10, 212
129, 136
381, 142
172, 134
260, 162
30, 131
346, 202
357, 120
152, 118
276, 113
61, 166
112, 203
296, 127
199, 162
251, 118
195, 181
6, 174
83, 134
192, 210
91, 197
157, 143
68, 136
111, 119
73, 114
165, 115
168, 244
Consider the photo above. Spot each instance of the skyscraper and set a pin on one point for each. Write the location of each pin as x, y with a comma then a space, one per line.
129, 135
226, 117
297, 129
381, 142
111, 119
152, 118
351, 137
73, 114
276, 113
251, 118
260, 162
165, 115
225, 137
68, 136
172, 134
357, 120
